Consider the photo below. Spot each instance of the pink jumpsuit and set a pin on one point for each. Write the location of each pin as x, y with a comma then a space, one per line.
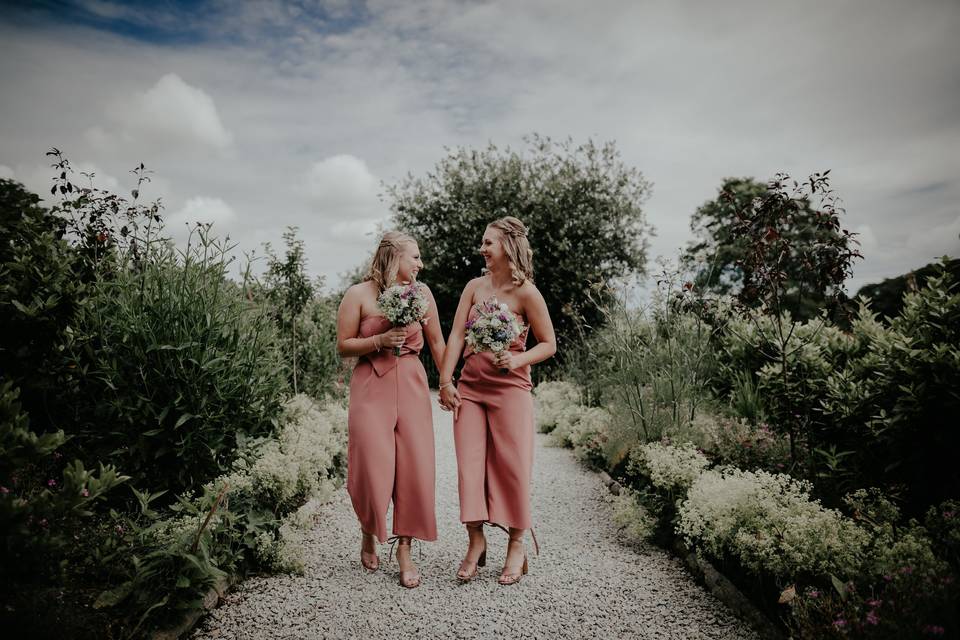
494, 440
390, 451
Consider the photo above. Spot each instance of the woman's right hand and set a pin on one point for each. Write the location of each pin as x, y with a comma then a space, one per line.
450, 399
395, 337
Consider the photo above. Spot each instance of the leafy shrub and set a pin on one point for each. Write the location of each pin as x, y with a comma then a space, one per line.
254, 517
670, 468
735, 442
769, 524
553, 399
43, 504
894, 402
183, 368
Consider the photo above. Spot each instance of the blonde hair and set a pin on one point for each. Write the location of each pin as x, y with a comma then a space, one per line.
513, 234
386, 259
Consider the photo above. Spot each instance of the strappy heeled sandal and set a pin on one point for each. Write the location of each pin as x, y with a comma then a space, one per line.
413, 582
514, 577
481, 561
371, 565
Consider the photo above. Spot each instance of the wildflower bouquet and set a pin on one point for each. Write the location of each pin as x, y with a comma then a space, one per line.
494, 328
403, 304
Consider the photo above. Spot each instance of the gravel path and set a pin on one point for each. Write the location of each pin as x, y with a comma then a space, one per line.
585, 584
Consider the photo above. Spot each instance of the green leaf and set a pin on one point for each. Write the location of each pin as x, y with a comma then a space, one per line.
183, 419
113, 597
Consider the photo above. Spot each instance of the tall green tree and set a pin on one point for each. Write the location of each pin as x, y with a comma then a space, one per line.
581, 204
289, 289
720, 253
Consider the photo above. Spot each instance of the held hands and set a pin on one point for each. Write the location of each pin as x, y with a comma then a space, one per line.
393, 338
450, 399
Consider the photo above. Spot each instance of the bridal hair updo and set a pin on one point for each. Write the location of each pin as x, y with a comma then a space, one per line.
386, 259
513, 234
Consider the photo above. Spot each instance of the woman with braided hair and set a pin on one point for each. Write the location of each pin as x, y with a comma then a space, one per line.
390, 453
492, 404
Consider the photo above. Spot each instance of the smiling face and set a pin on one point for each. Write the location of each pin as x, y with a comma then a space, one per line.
491, 248
409, 263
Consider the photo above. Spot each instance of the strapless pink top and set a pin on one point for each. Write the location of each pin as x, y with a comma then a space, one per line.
479, 368
385, 360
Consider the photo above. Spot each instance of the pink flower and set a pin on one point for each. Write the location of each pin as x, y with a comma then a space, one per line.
873, 618
4, 490
934, 630
51, 482
813, 593
43, 523
85, 493
839, 623
119, 530
874, 603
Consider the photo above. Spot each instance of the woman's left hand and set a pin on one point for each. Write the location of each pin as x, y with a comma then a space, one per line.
504, 360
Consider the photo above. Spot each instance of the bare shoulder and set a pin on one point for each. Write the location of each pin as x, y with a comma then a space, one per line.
360, 291
474, 284
528, 293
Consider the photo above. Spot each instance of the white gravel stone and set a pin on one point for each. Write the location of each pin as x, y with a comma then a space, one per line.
587, 583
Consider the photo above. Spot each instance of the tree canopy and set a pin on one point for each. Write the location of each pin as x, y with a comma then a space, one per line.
581, 205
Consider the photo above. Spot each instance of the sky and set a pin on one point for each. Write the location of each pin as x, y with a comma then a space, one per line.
257, 115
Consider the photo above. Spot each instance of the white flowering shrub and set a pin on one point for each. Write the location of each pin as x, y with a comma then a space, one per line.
631, 517
769, 524
670, 468
300, 463
552, 400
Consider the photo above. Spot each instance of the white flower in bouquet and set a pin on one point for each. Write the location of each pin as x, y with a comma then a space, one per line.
494, 328
403, 304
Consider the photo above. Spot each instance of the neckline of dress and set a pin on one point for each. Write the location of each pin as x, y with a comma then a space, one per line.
473, 307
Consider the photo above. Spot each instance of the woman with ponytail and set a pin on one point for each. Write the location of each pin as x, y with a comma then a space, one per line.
492, 403
390, 453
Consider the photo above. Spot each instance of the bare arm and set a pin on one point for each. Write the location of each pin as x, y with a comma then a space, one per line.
542, 326
433, 332
457, 334
349, 343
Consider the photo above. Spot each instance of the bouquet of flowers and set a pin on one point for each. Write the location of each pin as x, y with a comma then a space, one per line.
494, 328
403, 304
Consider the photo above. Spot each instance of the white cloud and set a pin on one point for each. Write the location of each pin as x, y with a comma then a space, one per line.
6, 172
170, 112
202, 209
342, 187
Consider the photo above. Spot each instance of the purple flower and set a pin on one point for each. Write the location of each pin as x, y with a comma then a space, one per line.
906, 570
43, 523
119, 530
469, 324
813, 593
948, 514
4, 490
873, 618
888, 578
934, 630
874, 603
51, 482
839, 623
502, 317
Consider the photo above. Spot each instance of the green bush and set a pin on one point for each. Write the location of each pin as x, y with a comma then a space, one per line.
552, 400
252, 518
769, 524
44, 504
181, 367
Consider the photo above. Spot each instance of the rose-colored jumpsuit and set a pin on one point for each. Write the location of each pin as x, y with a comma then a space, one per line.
494, 440
390, 451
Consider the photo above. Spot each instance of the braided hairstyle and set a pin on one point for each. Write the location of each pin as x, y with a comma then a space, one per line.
386, 259
513, 235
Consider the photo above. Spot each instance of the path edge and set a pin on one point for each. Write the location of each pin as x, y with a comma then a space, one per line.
715, 582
